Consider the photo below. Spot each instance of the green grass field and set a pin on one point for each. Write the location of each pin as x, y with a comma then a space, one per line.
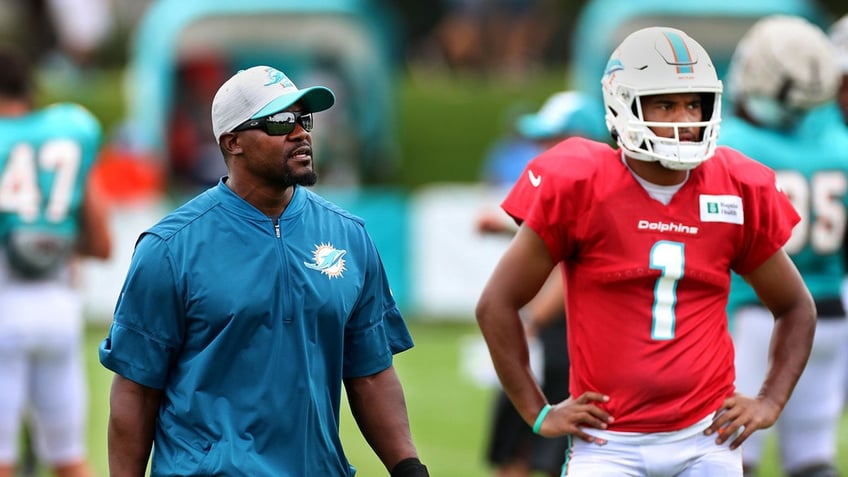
448, 414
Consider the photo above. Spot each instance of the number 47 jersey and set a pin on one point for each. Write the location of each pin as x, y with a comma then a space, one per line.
646, 283
45, 160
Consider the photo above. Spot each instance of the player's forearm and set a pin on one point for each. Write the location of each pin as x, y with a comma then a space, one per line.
781, 289
789, 350
132, 423
378, 405
126, 458
517, 278
128, 454
507, 344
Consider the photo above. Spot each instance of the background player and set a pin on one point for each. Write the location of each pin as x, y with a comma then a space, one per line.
839, 38
783, 68
49, 212
648, 236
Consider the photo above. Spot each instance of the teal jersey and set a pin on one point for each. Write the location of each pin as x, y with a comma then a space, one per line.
45, 160
811, 163
249, 326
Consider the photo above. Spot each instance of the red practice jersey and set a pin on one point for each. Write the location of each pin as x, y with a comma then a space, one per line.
647, 284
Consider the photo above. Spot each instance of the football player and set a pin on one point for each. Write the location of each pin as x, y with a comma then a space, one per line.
648, 234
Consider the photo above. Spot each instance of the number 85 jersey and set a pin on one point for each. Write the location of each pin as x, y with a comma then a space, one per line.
811, 164
45, 160
647, 284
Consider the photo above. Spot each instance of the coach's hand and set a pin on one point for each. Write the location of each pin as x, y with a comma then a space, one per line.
569, 416
744, 414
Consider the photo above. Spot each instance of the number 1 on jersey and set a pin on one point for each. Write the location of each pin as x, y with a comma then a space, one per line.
667, 257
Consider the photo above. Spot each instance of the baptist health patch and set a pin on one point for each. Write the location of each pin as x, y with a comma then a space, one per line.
722, 208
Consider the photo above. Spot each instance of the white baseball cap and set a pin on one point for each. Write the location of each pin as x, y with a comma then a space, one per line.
261, 91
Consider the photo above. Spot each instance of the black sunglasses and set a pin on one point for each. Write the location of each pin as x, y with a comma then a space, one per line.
278, 124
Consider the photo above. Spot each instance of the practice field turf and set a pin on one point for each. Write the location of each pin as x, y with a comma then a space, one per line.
448, 413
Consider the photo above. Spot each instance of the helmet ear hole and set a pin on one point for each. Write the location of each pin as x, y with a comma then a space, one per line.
614, 134
610, 113
784, 90
707, 110
707, 106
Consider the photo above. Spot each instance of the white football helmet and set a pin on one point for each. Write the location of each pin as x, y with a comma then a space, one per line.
839, 38
782, 67
661, 60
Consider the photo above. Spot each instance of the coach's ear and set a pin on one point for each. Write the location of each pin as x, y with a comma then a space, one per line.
230, 144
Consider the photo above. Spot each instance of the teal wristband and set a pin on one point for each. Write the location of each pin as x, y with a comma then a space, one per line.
541, 418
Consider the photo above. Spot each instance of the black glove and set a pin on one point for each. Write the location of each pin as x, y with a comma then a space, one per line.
410, 467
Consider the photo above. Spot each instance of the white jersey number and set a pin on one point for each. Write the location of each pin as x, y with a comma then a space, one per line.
667, 257
820, 203
19, 189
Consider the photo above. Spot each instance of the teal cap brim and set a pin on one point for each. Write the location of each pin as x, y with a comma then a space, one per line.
314, 99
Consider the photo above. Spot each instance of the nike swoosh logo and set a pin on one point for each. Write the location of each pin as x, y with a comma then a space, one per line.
534, 179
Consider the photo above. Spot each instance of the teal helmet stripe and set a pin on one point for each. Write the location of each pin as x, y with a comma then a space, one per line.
681, 53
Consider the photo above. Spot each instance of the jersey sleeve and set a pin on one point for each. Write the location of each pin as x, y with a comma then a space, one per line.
548, 195
376, 329
769, 220
148, 327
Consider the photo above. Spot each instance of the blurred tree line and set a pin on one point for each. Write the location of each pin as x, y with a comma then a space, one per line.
419, 19
416, 22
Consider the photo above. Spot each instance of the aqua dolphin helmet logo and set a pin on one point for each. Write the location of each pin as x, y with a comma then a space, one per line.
276, 76
328, 260
613, 65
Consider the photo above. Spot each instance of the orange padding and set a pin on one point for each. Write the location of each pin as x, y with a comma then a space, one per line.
122, 176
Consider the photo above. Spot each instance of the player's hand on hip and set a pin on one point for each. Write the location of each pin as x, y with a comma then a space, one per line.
740, 416
571, 415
